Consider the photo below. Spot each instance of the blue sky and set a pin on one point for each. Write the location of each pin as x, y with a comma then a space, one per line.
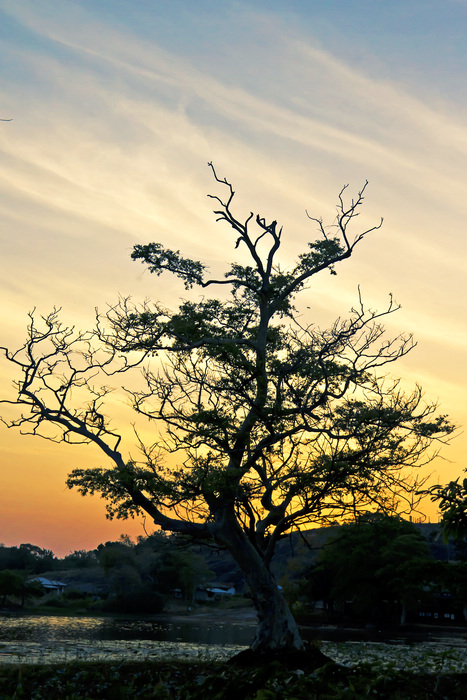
117, 107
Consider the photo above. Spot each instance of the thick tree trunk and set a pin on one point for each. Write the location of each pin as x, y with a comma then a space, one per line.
277, 629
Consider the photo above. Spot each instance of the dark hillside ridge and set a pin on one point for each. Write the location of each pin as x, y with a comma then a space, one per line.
308, 545
300, 547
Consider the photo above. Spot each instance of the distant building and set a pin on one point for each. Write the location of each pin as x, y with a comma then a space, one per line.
213, 592
50, 586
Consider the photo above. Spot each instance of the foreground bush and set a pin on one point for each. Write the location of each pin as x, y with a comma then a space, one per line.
220, 681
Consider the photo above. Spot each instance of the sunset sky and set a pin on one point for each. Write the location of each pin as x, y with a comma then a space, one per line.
116, 109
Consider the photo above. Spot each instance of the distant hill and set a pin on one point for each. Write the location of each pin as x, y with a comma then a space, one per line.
307, 545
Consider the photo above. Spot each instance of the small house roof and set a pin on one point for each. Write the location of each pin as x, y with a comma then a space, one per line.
48, 583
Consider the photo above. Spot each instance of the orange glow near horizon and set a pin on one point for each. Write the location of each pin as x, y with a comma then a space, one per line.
41, 510
38, 508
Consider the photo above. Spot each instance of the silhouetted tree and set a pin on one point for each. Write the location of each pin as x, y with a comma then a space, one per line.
14, 585
452, 502
280, 424
27, 557
380, 563
80, 559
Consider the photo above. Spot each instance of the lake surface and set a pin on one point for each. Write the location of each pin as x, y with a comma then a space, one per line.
45, 628
48, 639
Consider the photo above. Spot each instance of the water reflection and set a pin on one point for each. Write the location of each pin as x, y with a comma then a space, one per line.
44, 628
43, 639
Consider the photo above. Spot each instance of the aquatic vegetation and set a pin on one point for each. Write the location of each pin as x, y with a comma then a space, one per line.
111, 650
201, 680
426, 657
66, 666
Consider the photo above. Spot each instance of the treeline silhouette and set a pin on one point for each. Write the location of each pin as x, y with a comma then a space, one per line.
377, 570
120, 575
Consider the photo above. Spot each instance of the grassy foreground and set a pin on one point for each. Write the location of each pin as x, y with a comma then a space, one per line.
220, 681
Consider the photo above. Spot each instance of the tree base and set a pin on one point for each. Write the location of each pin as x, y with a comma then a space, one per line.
307, 659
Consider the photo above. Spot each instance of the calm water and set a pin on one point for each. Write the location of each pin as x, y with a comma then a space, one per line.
50, 629
43, 639
44, 628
